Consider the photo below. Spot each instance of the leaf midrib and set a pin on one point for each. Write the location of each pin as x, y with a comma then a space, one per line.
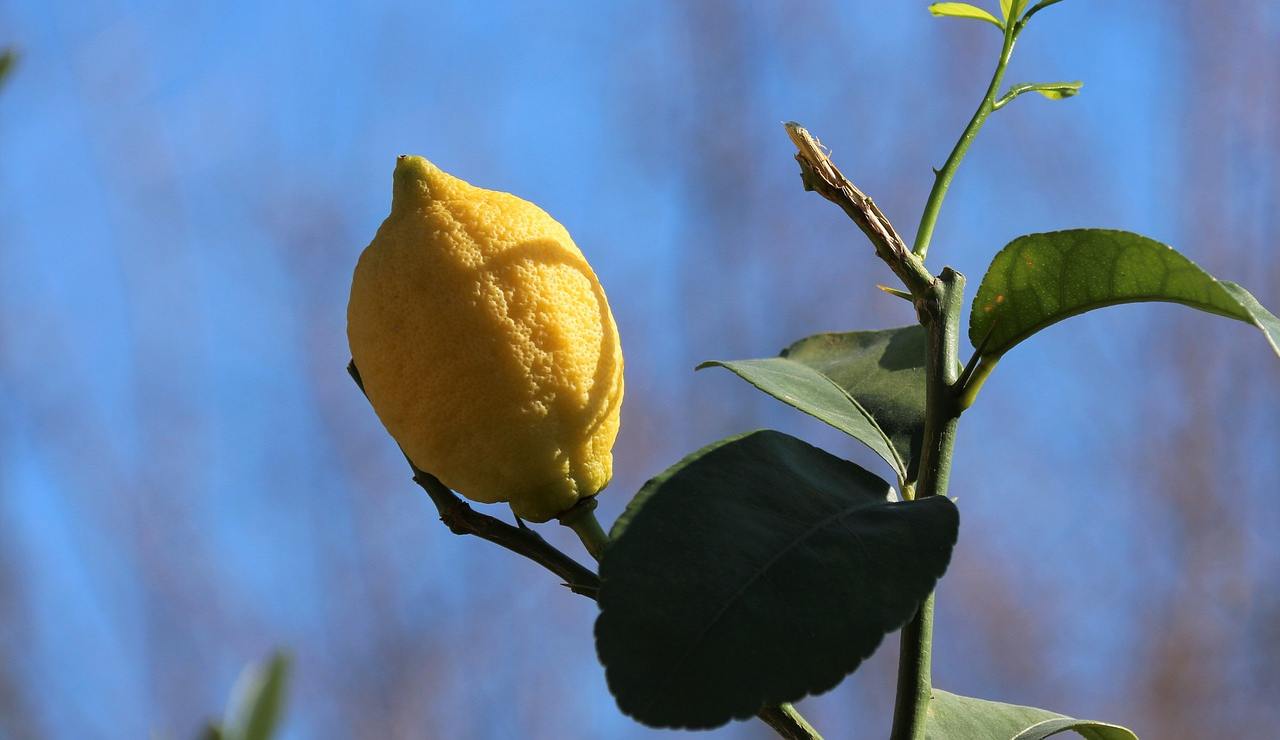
683, 660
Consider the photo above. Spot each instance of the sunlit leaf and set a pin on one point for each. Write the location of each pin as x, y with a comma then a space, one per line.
953, 717
1058, 90
757, 571
1051, 90
965, 10
1040, 279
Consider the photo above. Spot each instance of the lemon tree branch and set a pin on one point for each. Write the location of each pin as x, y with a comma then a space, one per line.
822, 176
461, 519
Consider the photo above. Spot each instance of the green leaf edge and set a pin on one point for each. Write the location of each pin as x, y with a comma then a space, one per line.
894, 459
651, 486
1050, 727
1254, 312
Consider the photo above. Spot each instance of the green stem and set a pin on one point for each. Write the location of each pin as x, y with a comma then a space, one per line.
940, 315
582, 520
787, 722
944, 176
915, 681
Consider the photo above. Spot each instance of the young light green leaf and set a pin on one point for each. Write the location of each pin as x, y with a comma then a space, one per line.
1041, 279
1007, 9
257, 702
1058, 90
757, 571
1051, 90
873, 389
953, 717
965, 10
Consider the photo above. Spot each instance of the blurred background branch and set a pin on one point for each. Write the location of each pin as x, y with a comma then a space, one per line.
8, 58
186, 482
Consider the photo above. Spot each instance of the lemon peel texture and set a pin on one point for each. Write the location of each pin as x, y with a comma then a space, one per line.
486, 344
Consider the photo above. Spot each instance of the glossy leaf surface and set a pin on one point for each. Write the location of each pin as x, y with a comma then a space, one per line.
1050, 90
757, 571
1041, 279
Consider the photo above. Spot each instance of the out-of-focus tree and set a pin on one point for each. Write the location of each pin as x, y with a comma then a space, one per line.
405, 613
1207, 661
8, 58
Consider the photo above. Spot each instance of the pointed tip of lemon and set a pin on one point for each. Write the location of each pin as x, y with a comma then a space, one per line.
418, 181
412, 164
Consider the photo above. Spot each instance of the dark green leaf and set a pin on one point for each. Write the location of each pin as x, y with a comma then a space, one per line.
815, 394
879, 387
757, 571
884, 371
964, 10
953, 717
1040, 279
257, 702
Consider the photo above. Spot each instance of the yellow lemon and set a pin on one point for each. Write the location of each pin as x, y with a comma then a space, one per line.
486, 344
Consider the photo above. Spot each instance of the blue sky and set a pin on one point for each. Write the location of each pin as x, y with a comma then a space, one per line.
189, 480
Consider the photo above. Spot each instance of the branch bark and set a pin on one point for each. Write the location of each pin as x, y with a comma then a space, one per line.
822, 176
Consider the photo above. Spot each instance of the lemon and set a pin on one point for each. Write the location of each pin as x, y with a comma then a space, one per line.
486, 345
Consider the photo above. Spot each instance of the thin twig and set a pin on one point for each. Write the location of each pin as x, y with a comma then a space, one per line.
822, 176
461, 519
